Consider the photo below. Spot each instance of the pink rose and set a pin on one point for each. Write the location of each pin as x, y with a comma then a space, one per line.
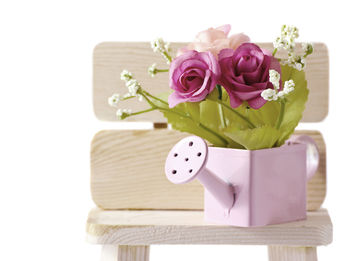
245, 73
214, 40
193, 75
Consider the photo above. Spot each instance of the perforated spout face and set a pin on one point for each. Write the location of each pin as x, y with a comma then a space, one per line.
186, 159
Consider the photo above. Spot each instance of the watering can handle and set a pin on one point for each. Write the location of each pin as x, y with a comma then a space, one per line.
312, 153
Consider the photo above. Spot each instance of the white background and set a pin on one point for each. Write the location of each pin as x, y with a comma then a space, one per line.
47, 120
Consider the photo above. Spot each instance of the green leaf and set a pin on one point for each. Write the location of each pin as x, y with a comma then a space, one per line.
295, 104
185, 124
212, 115
254, 139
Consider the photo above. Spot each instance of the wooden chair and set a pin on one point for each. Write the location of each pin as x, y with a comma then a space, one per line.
138, 206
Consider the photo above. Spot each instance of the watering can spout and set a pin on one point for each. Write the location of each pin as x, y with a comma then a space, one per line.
187, 160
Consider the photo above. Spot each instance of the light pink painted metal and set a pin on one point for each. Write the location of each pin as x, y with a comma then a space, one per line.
312, 153
187, 160
247, 188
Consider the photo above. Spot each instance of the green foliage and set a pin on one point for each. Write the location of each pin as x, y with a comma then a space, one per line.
185, 117
254, 139
223, 127
295, 104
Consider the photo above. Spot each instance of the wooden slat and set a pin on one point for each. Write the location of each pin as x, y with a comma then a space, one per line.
127, 172
188, 227
110, 58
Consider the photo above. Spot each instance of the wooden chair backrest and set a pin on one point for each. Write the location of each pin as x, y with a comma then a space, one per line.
127, 165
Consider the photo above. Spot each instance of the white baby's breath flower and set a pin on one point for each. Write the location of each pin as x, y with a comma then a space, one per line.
152, 70
287, 38
290, 31
298, 66
288, 86
133, 86
123, 113
274, 78
158, 45
167, 47
281, 94
269, 95
125, 75
114, 100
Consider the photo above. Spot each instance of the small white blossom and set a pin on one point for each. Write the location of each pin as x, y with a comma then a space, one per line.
296, 61
298, 66
290, 31
269, 95
274, 78
287, 38
152, 70
125, 75
281, 94
308, 49
167, 47
133, 86
122, 113
288, 88
114, 99
158, 45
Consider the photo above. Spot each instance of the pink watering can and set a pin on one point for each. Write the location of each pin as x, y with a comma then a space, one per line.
247, 187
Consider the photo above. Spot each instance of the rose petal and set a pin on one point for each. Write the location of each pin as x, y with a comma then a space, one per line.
174, 99
237, 39
225, 53
257, 102
225, 28
210, 35
204, 85
211, 61
248, 95
234, 100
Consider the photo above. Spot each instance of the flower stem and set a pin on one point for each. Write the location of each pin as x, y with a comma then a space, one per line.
155, 98
222, 116
161, 70
251, 125
140, 112
281, 116
127, 98
274, 52
167, 56
221, 111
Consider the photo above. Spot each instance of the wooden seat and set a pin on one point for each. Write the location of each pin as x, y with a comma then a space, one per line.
138, 206
148, 227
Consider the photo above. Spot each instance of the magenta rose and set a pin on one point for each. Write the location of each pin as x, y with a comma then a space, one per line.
193, 75
245, 73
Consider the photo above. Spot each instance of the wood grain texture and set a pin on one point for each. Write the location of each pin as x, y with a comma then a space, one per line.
124, 253
110, 58
127, 172
286, 253
142, 227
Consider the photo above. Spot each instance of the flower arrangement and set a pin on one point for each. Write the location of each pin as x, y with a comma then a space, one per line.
228, 90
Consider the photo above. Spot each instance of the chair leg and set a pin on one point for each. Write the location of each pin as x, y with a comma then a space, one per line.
124, 253
286, 253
